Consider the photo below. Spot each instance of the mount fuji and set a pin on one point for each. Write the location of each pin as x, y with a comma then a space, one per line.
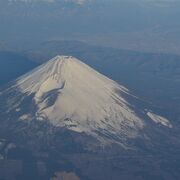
67, 94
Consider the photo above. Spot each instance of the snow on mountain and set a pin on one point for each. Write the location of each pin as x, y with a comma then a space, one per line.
159, 119
70, 94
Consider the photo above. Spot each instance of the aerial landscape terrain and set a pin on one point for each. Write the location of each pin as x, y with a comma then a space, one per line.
89, 90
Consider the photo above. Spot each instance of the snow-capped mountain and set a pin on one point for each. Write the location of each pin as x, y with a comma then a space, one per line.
66, 93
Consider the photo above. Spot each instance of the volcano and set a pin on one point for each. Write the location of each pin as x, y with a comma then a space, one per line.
67, 94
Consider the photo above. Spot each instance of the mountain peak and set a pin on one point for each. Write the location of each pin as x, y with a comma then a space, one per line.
62, 58
59, 59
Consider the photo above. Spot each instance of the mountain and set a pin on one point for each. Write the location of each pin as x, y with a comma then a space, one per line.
66, 93
65, 116
71, 94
